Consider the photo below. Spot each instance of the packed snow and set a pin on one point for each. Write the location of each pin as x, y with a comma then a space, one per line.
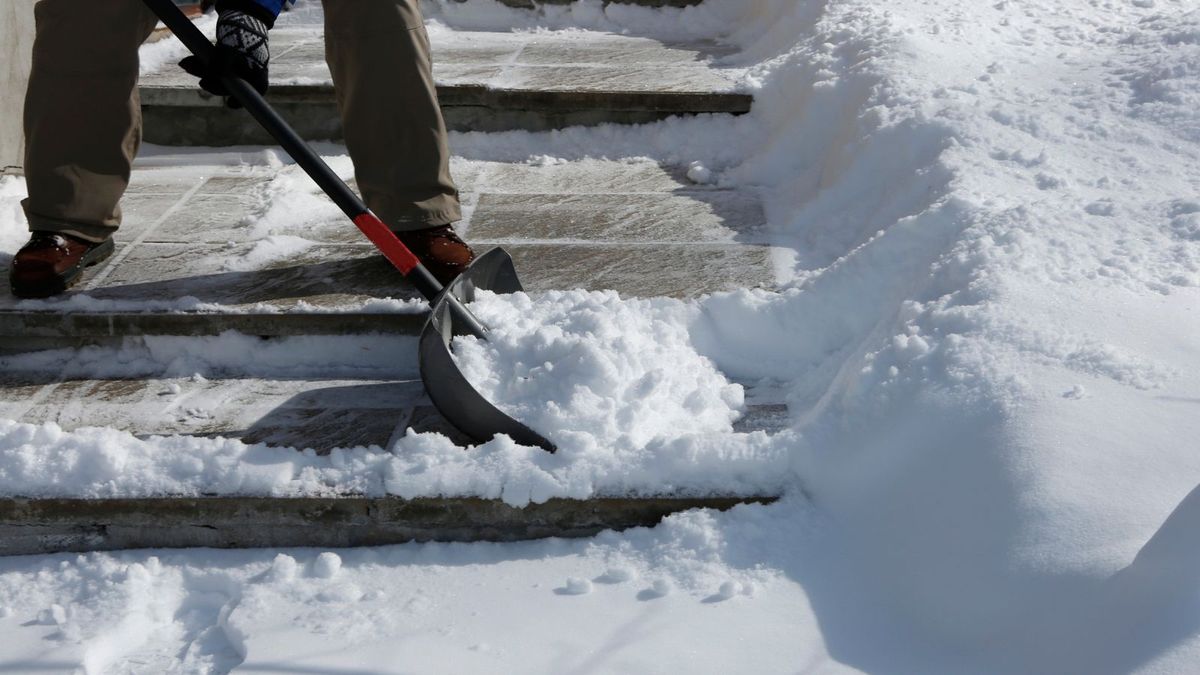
985, 336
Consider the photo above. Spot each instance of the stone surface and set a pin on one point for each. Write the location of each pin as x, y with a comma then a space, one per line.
321, 275
197, 255
650, 270
321, 415
487, 81
32, 526
298, 413
679, 217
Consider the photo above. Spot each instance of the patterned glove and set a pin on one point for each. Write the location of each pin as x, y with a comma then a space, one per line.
241, 51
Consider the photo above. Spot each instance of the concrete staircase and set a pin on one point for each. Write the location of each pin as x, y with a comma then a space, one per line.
639, 227
486, 82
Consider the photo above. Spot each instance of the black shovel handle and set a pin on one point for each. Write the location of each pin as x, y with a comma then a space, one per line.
329, 182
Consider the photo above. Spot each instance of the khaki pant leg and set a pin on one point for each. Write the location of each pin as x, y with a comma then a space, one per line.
82, 113
378, 52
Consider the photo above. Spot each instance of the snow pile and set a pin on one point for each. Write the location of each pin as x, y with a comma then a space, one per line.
592, 371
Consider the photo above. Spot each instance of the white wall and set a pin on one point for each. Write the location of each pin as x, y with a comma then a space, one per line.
16, 43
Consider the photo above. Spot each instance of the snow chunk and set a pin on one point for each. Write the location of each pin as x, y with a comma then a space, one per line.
727, 591
54, 615
327, 565
661, 588
698, 173
576, 586
283, 568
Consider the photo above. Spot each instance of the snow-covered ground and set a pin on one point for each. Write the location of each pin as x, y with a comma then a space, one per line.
986, 336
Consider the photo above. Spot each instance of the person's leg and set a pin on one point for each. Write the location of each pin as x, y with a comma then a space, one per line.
378, 52
82, 114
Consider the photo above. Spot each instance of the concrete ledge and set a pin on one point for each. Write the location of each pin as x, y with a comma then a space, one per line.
43, 324
188, 116
37, 526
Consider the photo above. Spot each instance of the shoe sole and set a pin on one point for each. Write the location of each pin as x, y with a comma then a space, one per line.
70, 277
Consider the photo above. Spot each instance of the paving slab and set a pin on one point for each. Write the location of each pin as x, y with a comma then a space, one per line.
205, 249
39, 526
487, 81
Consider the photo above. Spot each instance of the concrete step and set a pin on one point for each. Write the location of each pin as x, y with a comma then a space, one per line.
317, 414
487, 81
206, 249
305, 414
37, 526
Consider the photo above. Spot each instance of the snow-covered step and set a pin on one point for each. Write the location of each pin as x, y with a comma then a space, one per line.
294, 421
487, 81
302, 413
210, 248
32, 526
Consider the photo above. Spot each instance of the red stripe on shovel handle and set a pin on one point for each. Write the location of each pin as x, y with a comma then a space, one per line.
388, 243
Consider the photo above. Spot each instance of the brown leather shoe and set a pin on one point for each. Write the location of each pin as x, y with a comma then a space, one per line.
440, 250
51, 263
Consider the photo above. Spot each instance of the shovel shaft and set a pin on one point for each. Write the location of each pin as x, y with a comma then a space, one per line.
308, 160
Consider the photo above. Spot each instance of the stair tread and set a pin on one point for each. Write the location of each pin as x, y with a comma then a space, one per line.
567, 61
211, 248
304, 413
487, 81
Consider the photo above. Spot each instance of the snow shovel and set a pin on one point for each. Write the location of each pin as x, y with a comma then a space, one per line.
447, 387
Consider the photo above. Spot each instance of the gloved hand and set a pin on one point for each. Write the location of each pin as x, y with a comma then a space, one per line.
241, 51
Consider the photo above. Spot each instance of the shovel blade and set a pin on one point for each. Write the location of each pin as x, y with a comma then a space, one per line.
455, 398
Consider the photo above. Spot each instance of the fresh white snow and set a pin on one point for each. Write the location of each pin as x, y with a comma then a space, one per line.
986, 335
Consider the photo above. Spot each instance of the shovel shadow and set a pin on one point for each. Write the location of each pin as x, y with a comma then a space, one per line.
346, 416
